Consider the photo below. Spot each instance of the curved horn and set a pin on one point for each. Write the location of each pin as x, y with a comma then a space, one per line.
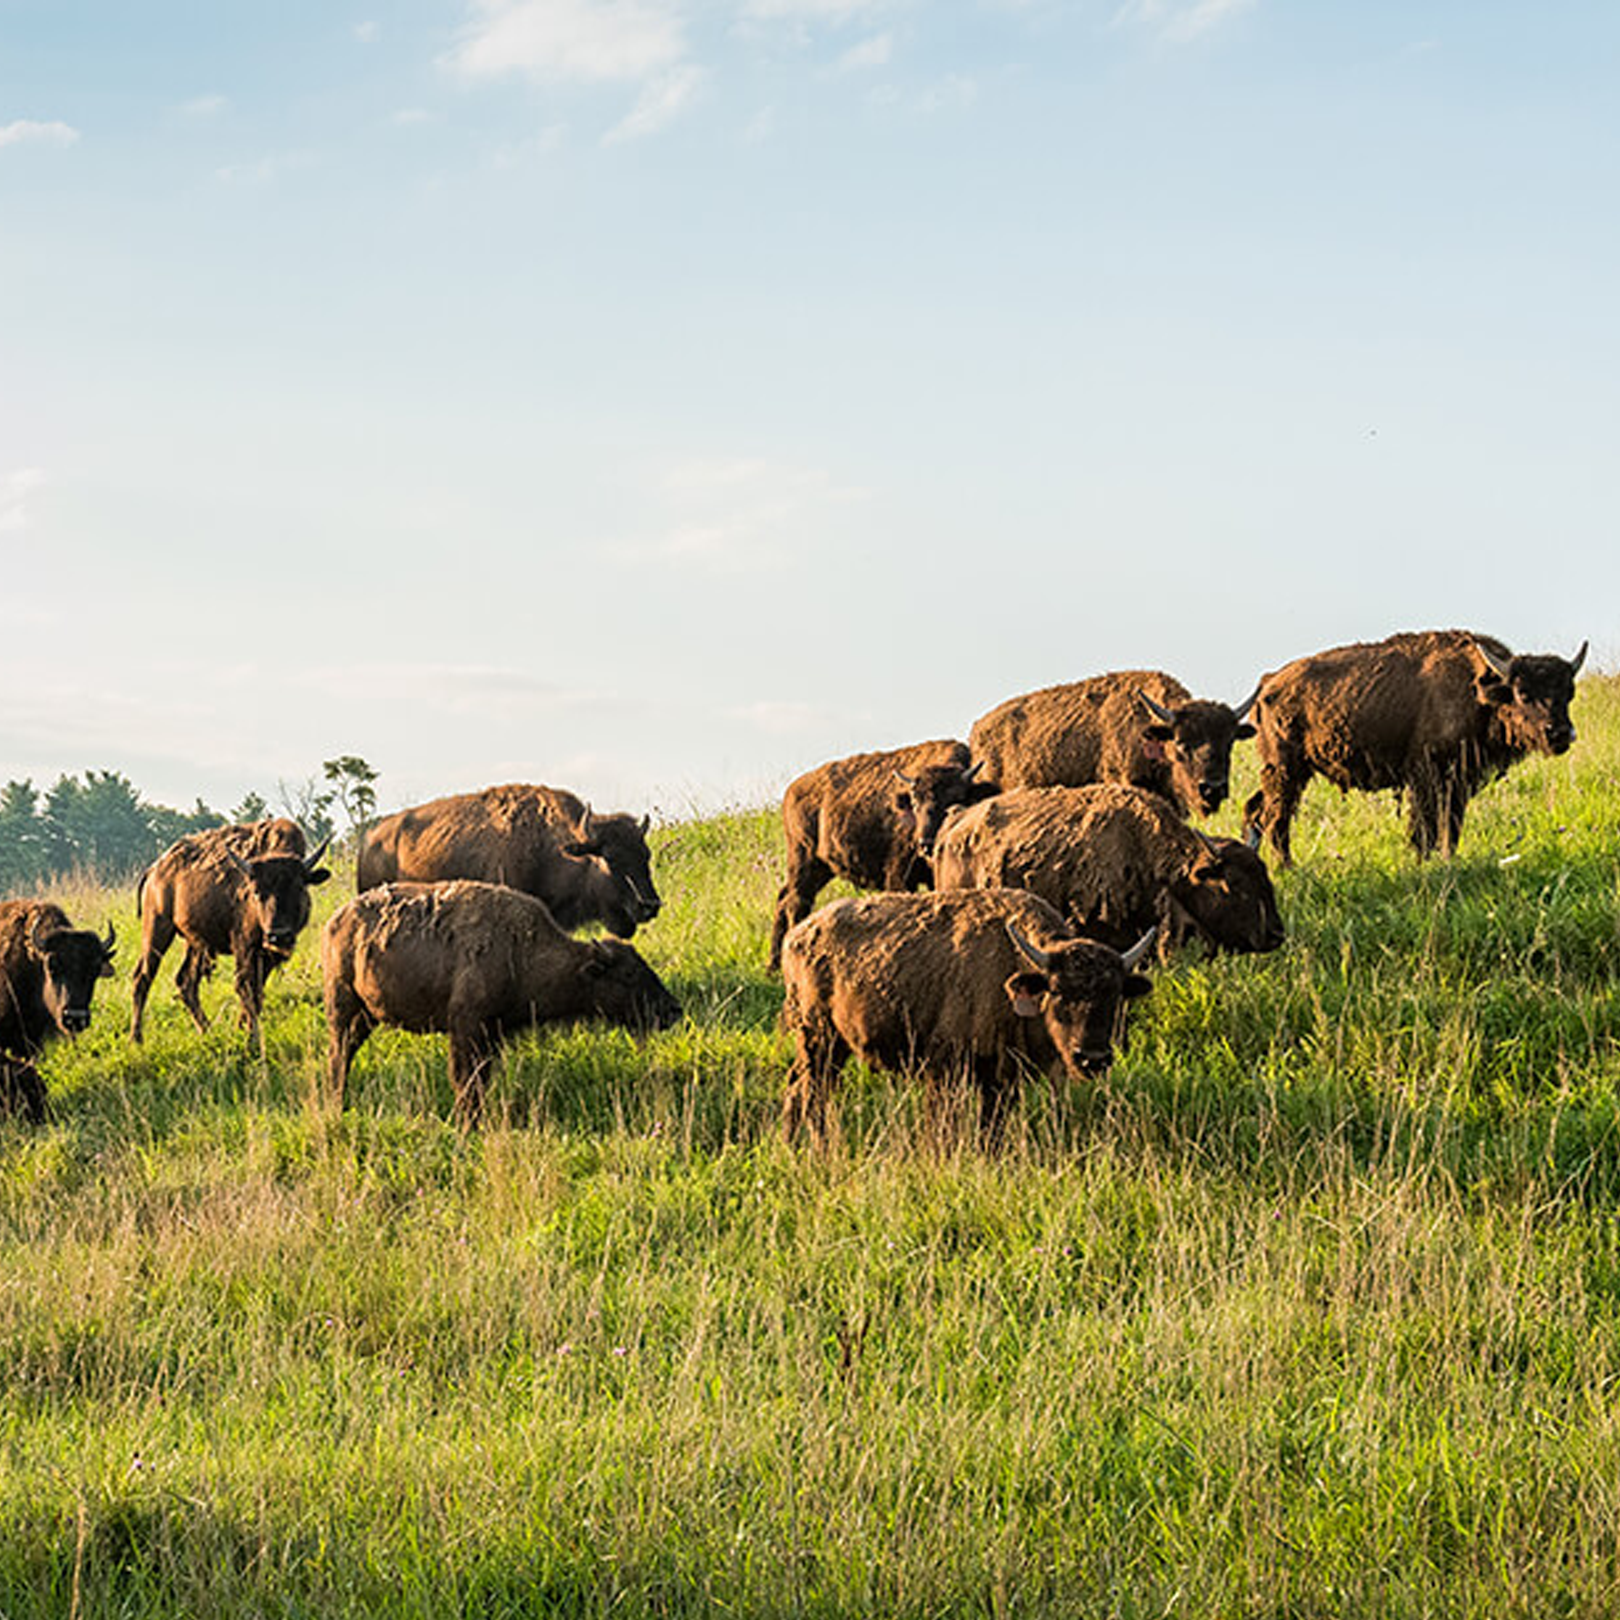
43, 928
973, 770
1140, 949
237, 861
1248, 702
320, 850
646, 822
1164, 714
1211, 845
1041, 959
587, 823
1251, 836
904, 780
1580, 658
111, 939
1501, 669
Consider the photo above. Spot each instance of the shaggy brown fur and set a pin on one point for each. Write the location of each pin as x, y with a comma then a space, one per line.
1423, 713
545, 841
870, 819
476, 961
240, 891
936, 983
1100, 730
1117, 861
48, 973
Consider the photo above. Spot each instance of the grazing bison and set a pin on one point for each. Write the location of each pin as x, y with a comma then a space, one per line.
475, 961
1117, 861
1139, 726
21, 1090
240, 891
871, 819
1431, 714
542, 840
48, 973
965, 983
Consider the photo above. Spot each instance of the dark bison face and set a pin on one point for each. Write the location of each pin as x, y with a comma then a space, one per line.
1079, 989
1195, 741
922, 801
275, 891
617, 846
21, 1090
622, 989
70, 962
1531, 695
1227, 892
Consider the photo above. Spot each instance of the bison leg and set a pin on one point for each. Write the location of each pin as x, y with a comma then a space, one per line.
195, 966
1423, 801
1272, 809
805, 880
347, 1024
995, 1096
159, 935
252, 968
472, 1056
821, 1053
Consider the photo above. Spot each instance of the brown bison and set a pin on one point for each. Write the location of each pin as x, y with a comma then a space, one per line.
542, 840
475, 961
21, 1090
971, 983
1117, 861
870, 819
1138, 726
48, 973
240, 891
1431, 714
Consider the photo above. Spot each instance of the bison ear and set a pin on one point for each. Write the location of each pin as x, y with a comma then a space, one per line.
1136, 986
1157, 733
319, 875
1027, 993
1244, 731
1493, 691
581, 850
981, 791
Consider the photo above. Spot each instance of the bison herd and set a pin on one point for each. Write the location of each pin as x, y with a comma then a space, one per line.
1054, 845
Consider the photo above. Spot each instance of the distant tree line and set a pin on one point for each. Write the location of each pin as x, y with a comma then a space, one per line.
99, 824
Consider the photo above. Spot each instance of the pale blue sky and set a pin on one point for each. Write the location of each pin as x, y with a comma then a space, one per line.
657, 398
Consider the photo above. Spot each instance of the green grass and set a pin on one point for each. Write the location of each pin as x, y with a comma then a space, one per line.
1312, 1308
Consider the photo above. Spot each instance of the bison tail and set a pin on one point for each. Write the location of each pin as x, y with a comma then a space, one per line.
140, 886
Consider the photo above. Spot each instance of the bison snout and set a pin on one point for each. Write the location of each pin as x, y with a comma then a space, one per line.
75, 1020
1092, 1064
1212, 795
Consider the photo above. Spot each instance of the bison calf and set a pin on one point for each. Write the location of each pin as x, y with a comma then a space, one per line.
971, 983
870, 819
477, 962
1117, 861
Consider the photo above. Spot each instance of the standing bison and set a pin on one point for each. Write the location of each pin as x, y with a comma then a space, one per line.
542, 840
1431, 714
48, 973
870, 819
475, 961
1117, 861
1138, 726
972, 983
240, 891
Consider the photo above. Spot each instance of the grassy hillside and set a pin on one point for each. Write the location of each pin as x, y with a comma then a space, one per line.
1311, 1308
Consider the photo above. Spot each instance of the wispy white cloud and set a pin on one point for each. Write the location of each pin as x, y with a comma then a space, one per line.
30, 132
809, 10
16, 488
408, 116
554, 40
870, 53
662, 100
1180, 21
204, 106
368, 32
267, 169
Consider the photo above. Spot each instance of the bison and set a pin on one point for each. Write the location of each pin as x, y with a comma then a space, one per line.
1431, 714
240, 891
1117, 861
542, 840
871, 819
475, 961
21, 1090
970, 982
1138, 726
48, 974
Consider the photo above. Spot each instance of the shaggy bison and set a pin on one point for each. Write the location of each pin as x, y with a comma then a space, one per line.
1138, 726
972, 983
542, 840
48, 973
240, 891
1117, 861
1431, 714
478, 962
870, 819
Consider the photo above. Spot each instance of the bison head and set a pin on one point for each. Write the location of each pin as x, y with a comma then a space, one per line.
274, 889
616, 846
1195, 740
1079, 989
70, 962
621, 988
923, 800
1530, 696
1226, 891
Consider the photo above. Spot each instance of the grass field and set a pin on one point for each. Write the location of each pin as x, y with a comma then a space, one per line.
1311, 1308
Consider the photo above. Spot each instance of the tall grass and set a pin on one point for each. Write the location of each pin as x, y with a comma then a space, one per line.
1311, 1308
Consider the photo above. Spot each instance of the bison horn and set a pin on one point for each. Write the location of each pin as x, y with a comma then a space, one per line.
1140, 949
1248, 702
1502, 668
43, 928
1168, 716
1041, 959
1251, 836
111, 939
1580, 658
586, 822
320, 850
973, 770
237, 861
904, 780
646, 822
